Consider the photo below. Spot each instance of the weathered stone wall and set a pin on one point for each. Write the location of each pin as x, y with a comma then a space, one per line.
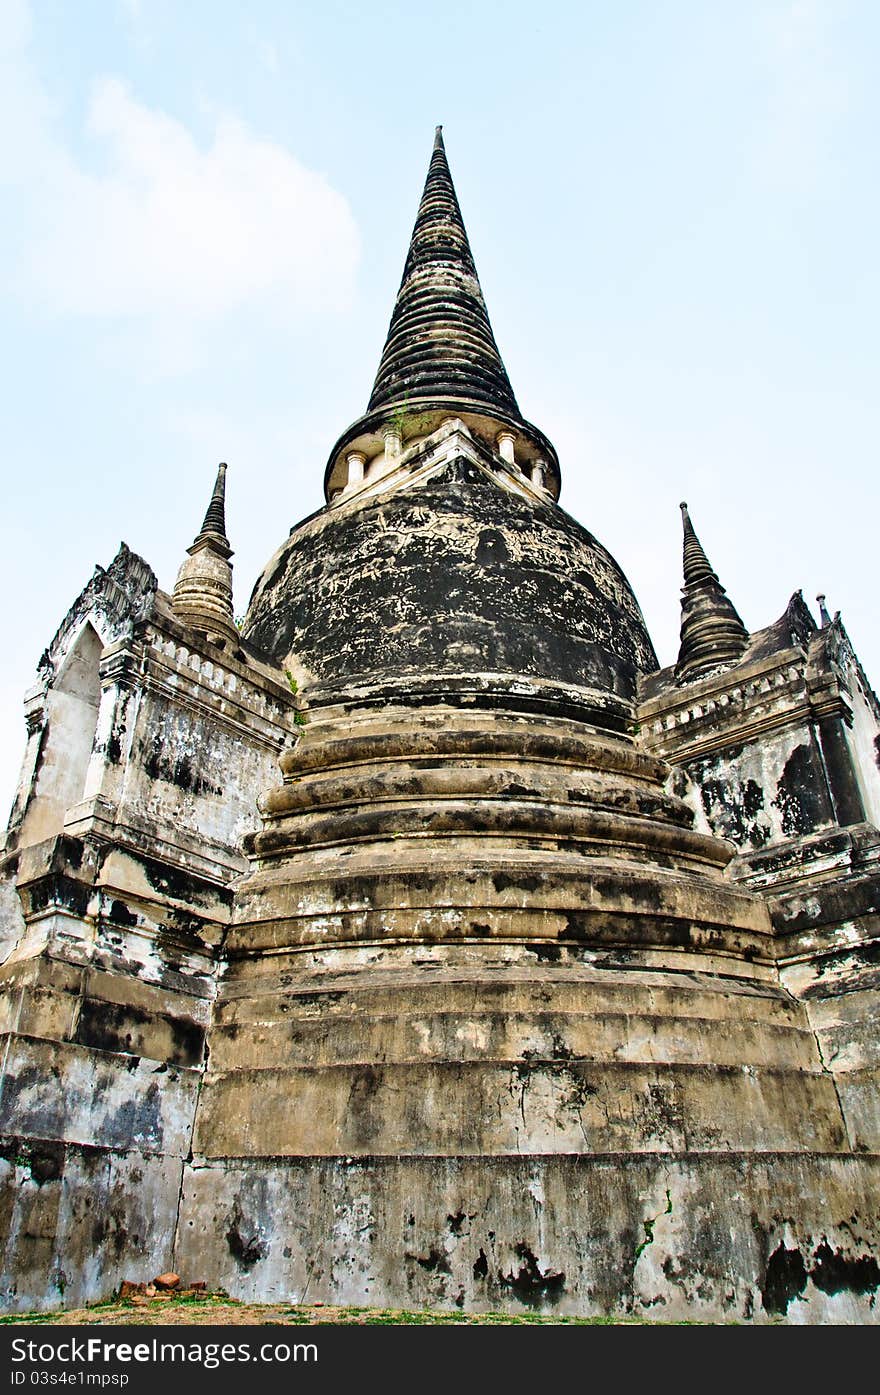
862, 732
825, 907
779, 746
187, 738
764, 792
737, 1237
114, 909
746, 751
100, 1076
778, 752
12, 925
76, 1220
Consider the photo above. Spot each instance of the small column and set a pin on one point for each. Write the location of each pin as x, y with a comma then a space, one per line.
506, 442
393, 445
538, 469
355, 460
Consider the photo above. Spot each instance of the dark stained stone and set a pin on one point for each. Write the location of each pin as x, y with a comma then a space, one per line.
712, 634
456, 575
440, 342
440, 356
215, 517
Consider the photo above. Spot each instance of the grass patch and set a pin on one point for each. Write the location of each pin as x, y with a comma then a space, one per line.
219, 1309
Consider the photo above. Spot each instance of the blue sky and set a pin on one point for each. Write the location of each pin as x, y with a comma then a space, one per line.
674, 210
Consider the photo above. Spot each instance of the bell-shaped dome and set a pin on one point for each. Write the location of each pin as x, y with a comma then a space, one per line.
452, 576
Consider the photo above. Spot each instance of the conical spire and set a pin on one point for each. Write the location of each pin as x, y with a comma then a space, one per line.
712, 633
440, 358
696, 563
440, 343
215, 516
203, 591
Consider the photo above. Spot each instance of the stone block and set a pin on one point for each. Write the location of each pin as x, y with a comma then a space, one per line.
73, 1094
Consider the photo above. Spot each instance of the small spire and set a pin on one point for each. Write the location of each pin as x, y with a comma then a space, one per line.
824, 617
215, 517
712, 633
202, 595
696, 563
438, 138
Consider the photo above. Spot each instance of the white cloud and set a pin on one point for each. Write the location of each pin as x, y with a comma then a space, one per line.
175, 228
137, 218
